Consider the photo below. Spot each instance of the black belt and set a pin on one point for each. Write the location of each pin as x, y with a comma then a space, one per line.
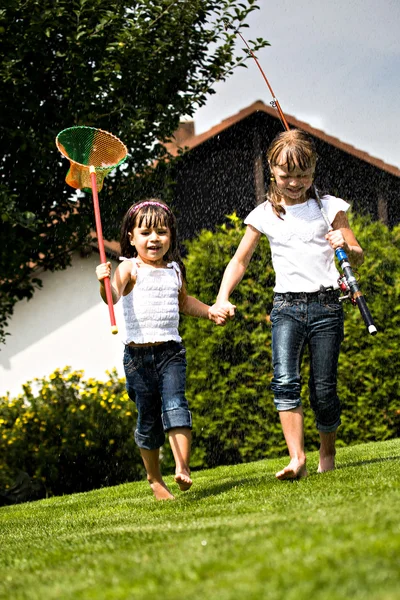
324, 294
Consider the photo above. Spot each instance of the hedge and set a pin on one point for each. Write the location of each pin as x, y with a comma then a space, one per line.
230, 368
74, 434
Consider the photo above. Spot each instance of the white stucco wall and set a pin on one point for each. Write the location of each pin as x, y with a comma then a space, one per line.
65, 323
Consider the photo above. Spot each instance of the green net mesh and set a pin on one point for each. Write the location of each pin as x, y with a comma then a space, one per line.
85, 147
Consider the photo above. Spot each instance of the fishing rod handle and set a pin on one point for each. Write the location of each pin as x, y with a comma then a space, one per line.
355, 290
366, 315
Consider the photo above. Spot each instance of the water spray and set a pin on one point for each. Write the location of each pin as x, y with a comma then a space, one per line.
347, 281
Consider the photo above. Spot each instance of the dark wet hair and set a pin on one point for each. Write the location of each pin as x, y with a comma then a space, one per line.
294, 149
151, 212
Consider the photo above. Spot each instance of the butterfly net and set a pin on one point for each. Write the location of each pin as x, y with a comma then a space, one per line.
85, 147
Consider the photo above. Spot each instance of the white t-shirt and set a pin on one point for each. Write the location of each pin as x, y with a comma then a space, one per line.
301, 256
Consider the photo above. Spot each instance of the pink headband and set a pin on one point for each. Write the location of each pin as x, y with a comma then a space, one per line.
149, 203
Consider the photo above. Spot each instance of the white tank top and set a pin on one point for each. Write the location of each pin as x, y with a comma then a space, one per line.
151, 309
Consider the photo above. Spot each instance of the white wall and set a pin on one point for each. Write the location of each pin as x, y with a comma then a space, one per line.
65, 323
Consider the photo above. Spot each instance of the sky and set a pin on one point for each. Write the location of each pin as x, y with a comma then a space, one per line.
334, 64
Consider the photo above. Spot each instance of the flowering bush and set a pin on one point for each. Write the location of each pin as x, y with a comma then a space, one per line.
71, 434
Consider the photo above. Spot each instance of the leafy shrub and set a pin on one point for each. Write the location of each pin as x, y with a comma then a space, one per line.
75, 435
71, 434
230, 368
369, 366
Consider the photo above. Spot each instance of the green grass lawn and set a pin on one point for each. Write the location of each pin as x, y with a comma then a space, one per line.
237, 534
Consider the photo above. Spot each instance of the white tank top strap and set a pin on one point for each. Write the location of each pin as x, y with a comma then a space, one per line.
177, 270
134, 263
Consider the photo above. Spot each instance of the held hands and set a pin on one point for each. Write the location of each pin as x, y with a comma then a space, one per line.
103, 271
220, 313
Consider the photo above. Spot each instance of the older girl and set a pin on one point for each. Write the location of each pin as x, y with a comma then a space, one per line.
306, 309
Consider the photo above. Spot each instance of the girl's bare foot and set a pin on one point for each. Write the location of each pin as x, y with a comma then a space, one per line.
183, 480
295, 470
160, 490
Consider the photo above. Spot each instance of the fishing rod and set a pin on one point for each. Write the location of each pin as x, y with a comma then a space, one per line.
347, 281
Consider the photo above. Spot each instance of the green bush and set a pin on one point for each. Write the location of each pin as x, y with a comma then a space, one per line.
230, 368
73, 435
369, 365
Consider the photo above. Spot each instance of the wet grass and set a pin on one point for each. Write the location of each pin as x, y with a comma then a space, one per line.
237, 534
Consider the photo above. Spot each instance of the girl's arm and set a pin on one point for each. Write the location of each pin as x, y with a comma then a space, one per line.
189, 305
342, 236
122, 278
236, 268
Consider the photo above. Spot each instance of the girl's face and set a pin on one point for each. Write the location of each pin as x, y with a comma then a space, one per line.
151, 243
293, 184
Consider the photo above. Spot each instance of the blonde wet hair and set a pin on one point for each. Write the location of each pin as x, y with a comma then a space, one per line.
294, 149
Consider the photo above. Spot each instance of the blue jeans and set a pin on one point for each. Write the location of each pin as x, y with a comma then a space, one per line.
316, 321
155, 381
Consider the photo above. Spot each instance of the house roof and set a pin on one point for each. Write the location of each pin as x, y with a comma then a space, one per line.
259, 106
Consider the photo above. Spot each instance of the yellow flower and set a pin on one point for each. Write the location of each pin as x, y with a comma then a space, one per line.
82, 407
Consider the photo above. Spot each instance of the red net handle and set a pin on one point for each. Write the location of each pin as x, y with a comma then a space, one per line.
103, 258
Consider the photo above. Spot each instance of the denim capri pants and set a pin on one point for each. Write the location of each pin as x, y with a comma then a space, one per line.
316, 320
155, 381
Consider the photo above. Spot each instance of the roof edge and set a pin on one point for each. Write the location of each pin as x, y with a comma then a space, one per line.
259, 106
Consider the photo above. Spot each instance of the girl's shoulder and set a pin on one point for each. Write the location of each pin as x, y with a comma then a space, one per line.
332, 205
128, 264
335, 203
261, 217
174, 265
262, 211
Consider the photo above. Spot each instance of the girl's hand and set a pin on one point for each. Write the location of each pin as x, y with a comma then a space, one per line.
103, 271
227, 307
220, 314
336, 240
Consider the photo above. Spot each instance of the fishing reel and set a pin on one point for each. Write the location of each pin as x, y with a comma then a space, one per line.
345, 290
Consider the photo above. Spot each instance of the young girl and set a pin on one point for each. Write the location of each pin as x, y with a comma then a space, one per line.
151, 283
306, 309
